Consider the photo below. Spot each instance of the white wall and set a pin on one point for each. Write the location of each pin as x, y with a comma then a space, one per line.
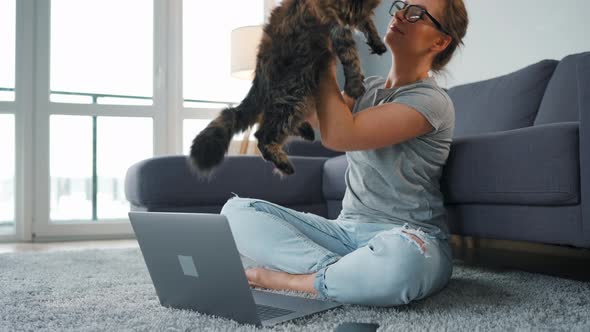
504, 36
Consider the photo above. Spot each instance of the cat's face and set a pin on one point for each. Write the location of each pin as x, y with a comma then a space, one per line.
355, 11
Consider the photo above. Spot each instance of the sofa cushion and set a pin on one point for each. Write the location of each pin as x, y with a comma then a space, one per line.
563, 95
537, 165
300, 147
502, 103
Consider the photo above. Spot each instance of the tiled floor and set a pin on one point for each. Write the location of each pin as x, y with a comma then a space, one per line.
560, 261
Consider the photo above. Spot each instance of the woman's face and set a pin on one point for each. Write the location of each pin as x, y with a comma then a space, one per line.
418, 37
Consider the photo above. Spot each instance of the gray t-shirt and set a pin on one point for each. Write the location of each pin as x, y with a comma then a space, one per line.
400, 183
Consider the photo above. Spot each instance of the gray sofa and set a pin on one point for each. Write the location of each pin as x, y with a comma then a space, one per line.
517, 170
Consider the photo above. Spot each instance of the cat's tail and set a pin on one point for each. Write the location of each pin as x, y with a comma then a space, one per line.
210, 145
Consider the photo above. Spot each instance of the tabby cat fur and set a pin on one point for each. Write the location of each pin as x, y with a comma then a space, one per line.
298, 44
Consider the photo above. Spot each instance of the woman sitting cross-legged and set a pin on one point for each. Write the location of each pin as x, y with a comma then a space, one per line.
389, 245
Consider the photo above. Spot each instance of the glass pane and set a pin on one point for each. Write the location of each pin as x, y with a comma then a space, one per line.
206, 47
71, 167
7, 142
7, 45
121, 143
95, 49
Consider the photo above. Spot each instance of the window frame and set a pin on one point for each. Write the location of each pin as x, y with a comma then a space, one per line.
32, 109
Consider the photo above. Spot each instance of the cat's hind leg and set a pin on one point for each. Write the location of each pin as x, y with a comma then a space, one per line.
305, 129
276, 125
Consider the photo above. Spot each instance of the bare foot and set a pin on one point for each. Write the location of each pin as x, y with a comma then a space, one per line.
264, 278
278, 280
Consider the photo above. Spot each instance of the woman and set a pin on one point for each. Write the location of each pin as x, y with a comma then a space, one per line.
389, 245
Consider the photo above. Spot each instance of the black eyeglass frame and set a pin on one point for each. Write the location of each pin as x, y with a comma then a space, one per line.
422, 12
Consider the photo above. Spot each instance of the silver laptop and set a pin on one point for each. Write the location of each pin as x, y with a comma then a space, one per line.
194, 264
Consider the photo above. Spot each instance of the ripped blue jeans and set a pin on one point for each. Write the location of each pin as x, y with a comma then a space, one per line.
355, 263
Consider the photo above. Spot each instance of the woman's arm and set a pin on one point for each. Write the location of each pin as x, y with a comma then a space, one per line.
372, 128
312, 119
333, 113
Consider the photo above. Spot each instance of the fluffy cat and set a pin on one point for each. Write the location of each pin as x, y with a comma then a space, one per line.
298, 42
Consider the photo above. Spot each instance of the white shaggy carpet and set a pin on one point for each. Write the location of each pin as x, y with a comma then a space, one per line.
110, 290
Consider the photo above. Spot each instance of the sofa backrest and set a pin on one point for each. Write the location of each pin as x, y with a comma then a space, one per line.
300, 147
502, 103
566, 90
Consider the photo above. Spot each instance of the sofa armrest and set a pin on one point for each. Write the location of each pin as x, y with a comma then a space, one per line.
536, 165
583, 75
169, 181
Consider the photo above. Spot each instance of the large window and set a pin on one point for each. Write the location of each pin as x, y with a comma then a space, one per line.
90, 87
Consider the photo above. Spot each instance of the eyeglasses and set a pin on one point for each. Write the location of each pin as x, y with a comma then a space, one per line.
413, 13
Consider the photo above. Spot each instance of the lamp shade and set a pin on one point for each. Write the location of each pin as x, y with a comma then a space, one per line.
244, 47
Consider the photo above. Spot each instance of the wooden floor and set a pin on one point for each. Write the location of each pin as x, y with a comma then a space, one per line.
561, 261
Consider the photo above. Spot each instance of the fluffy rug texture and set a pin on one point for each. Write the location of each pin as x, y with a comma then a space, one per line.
110, 290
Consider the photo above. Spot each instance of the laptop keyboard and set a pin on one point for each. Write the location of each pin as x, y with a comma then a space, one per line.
266, 312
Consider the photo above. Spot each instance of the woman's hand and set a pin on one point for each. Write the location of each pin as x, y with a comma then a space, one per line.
330, 77
312, 119
328, 87
327, 77
334, 115
329, 73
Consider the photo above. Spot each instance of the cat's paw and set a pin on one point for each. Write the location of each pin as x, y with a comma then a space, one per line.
285, 168
354, 89
264, 153
377, 48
